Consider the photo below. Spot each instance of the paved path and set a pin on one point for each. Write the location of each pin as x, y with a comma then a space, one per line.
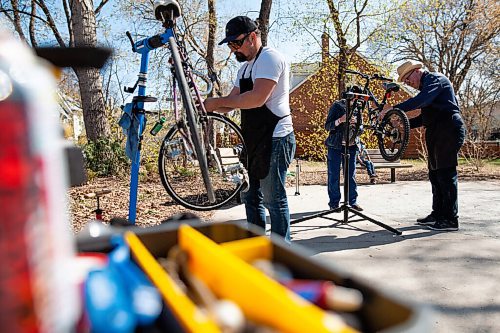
458, 273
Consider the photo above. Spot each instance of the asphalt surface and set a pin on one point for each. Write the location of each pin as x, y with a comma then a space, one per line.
456, 273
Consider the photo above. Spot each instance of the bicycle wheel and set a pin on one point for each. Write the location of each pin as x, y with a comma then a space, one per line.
355, 126
192, 119
180, 172
393, 134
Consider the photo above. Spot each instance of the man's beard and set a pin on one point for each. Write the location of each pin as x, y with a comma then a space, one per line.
240, 57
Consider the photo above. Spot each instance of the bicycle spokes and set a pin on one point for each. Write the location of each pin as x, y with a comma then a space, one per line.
181, 174
393, 134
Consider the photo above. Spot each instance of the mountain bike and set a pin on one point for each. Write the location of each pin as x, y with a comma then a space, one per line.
393, 131
201, 159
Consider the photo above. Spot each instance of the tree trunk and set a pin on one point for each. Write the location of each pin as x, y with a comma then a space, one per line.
343, 62
212, 29
265, 11
89, 79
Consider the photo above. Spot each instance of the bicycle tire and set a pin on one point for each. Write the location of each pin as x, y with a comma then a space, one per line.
393, 135
180, 176
355, 128
192, 120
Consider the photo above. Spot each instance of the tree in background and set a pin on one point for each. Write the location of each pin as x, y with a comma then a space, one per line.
458, 38
358, 24
263, 19
42, 21
448, 36
350, 25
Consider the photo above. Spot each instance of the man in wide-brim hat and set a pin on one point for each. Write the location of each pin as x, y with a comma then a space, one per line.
444, 135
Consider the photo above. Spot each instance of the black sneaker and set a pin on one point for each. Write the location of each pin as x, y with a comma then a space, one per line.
428, 220
357, 207
444, 225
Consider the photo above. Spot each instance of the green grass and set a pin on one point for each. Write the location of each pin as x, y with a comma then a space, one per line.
495, 162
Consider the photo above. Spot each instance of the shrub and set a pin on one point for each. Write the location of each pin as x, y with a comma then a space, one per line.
105, 157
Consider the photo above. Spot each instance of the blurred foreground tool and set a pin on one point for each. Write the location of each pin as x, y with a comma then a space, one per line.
38, 288
74, 56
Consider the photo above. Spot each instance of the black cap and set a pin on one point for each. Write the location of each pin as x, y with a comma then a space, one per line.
237, 26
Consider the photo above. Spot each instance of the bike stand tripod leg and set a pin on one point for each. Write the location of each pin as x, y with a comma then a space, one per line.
297, 177
344, 207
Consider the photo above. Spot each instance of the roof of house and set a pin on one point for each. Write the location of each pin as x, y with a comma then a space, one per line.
300, 72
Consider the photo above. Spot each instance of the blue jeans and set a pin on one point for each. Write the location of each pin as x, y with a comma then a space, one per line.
334, 160
270, 192
369, 168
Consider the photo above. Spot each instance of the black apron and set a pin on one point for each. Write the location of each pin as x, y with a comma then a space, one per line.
257, 127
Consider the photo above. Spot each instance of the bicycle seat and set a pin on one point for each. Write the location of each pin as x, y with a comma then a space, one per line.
391, 86
144, 99
166, 10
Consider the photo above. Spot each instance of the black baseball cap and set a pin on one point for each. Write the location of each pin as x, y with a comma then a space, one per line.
237, 26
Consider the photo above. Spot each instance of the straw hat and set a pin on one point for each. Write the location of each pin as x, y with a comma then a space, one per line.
407, 67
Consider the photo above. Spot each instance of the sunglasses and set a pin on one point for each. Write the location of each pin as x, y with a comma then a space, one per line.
236, 44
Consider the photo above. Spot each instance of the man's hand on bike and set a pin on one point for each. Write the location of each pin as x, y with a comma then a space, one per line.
211, 104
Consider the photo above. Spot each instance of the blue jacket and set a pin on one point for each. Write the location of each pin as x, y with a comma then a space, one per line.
336, 134
436, 100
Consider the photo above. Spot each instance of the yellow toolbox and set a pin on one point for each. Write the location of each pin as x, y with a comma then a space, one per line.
219, 255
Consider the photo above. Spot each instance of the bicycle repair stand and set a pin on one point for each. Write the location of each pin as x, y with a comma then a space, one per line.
297, 175
348, 96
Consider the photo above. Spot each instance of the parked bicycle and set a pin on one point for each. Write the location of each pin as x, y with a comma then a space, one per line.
393, 131
201, 161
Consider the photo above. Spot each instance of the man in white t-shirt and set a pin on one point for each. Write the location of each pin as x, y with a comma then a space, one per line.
261, 91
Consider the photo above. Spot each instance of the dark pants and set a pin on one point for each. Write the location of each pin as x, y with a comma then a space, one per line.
444, 184
443, 144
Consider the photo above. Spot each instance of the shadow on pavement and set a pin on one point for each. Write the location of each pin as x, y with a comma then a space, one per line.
365, 240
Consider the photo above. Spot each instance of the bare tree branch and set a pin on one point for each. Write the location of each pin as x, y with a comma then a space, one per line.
50, 22
32, 25
17, 19
69, 22
98, 9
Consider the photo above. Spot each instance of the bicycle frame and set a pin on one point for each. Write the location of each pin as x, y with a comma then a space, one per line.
393, 135
366, 89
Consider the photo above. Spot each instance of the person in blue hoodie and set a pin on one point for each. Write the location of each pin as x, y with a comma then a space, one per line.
444, 135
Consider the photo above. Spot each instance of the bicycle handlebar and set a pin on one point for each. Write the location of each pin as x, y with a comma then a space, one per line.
131, 40
364, 76
368, 77
150, 43
380, 77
